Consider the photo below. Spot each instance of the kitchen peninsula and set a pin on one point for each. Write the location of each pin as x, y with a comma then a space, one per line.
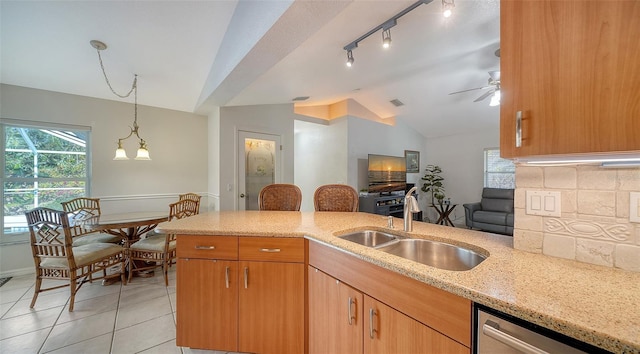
594, 304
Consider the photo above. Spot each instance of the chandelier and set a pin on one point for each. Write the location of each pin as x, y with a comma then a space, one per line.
121, 154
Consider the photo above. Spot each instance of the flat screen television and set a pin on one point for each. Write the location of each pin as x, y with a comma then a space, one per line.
386, 174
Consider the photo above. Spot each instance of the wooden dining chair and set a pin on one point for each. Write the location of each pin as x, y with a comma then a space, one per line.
79, 210
335, 197
191, 196
55, 257
286, 197
159, 249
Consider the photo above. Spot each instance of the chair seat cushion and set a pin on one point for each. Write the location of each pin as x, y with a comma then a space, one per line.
84, 255
153, 243
95, 238
490, 217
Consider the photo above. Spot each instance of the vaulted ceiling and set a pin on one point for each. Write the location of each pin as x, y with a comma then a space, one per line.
193, 55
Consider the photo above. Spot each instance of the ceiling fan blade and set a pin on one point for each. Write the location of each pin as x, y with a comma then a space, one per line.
473, 89
485, 95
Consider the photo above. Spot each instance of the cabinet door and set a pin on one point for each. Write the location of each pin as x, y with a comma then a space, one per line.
271, 307
390, 331
207, 303
335, 315
573, 69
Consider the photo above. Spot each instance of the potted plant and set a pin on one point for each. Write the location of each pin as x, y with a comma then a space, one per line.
433, 183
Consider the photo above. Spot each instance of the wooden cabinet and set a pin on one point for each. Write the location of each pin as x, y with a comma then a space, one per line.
202, 287
207, 276
336, 315
271, 308
241, 294
572, 70
390, 331
395, 314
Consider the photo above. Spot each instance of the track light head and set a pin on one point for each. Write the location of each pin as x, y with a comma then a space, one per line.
349, 58
386, 38
447, 8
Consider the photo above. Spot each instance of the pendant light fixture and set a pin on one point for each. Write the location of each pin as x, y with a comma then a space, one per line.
121, 154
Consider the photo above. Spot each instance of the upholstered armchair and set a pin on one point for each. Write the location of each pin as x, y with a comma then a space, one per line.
493, 213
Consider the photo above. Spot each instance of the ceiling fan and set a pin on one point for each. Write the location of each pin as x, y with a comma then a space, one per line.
493, 84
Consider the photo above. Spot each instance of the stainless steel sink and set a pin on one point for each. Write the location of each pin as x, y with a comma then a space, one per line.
369, 238
435, 254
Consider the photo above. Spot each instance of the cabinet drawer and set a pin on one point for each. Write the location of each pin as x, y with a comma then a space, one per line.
278, 249
207, 247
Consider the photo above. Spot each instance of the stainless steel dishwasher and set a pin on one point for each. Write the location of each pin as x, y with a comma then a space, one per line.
499, 333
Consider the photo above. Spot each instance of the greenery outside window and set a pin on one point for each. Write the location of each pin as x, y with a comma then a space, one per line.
42, 165
498, 172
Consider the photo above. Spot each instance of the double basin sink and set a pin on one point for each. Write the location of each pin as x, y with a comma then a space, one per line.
432, 253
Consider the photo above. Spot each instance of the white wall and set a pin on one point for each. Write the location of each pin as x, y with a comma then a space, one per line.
177, 144
214, 159
461, 158
320, 157
270, 119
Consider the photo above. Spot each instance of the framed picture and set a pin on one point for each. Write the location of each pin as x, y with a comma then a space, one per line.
413, 161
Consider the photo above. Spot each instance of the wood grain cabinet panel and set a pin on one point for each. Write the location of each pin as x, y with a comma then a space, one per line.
336, 323
390, 331
271, 308
207, 304
572, 68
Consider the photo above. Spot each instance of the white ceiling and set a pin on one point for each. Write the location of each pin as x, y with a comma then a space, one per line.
191, 55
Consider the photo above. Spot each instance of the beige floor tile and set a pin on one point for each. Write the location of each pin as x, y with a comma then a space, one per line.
33, 321
4, 308
13, 295
45, 301
90, 307
168, 347
80, 330
96, 289
144, 335
134, 313
140, 293
97, 345
23, 281
26, 343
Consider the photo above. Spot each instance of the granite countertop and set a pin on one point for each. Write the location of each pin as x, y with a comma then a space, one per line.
595, 304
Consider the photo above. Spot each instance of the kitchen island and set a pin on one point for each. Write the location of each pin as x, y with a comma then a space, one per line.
594, 304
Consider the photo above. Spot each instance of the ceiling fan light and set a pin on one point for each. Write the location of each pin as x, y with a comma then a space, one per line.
495, 99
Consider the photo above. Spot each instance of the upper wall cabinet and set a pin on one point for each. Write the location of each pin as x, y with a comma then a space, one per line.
570, 77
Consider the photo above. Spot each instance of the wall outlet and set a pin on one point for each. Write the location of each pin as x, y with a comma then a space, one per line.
634, 207
544, 203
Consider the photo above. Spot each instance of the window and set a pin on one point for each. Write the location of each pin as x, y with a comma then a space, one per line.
42, 166
498, 172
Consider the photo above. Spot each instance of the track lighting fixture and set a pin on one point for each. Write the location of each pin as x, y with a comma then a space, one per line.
386, 38
447, 8
386, 30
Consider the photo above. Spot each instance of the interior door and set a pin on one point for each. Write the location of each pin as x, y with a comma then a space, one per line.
258, 166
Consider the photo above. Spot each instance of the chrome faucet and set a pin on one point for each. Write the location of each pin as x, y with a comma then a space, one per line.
410, 207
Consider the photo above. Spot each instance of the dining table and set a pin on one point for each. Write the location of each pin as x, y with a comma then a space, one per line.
128, 226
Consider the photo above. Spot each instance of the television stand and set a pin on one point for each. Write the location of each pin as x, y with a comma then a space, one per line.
386, 205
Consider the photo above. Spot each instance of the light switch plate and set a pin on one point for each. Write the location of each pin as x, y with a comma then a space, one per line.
544, 203
634, 207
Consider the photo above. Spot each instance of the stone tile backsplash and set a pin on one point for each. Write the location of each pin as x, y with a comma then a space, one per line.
594, 226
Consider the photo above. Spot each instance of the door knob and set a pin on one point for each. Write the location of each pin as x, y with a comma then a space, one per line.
242, 195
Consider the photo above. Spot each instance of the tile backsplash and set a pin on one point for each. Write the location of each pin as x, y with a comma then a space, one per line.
594, 225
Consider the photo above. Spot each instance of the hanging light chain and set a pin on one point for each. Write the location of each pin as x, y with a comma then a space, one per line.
133, 86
